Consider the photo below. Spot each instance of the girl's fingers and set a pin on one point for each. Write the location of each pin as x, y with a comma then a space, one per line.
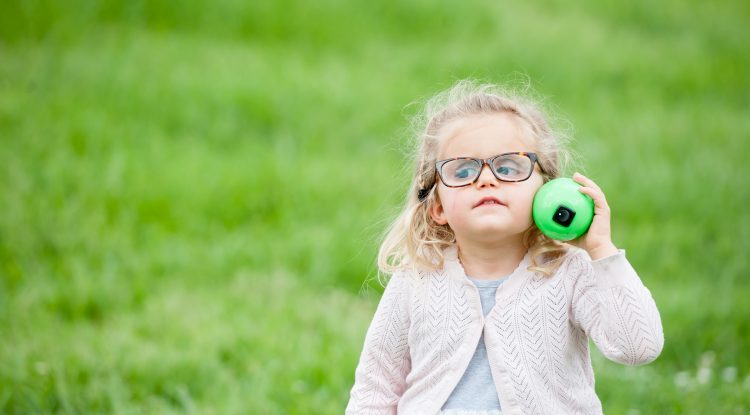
586, 181
600, 202
595, 193
599, 234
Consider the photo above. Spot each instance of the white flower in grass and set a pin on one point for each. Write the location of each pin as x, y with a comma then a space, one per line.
707, 359
703, 375
682, 380
729, 374
704, 367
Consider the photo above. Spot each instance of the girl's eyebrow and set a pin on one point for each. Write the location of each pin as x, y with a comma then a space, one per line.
483, 158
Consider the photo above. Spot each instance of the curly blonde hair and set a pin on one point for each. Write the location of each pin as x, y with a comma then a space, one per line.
414, 240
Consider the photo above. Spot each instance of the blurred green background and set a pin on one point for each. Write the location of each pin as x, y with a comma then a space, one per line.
192, 193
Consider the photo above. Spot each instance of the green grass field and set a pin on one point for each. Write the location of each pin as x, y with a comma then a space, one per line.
192, 194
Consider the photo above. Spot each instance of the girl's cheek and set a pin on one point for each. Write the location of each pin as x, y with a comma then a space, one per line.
454, 204
457, 210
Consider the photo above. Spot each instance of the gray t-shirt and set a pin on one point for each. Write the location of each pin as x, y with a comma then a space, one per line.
476, 389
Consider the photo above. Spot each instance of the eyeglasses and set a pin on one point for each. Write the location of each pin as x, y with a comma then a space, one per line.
506, 167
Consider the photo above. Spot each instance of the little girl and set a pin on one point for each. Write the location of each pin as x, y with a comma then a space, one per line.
483, 313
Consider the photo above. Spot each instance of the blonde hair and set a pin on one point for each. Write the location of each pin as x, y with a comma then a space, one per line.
414, 240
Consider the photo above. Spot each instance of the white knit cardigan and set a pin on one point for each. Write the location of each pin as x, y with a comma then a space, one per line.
427, 326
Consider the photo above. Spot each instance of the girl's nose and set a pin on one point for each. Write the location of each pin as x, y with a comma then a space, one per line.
486, 178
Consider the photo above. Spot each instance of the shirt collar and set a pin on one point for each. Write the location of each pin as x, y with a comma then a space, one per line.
455, 269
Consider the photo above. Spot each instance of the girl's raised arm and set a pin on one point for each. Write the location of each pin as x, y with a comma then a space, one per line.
615, 309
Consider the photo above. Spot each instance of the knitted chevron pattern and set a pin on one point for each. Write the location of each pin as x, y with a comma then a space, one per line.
427, 326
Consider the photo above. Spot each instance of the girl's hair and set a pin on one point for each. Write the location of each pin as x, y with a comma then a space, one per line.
414, 240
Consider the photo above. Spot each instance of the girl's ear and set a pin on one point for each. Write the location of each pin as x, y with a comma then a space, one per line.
437, 213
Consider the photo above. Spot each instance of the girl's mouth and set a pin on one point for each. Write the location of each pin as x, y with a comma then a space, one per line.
489, 201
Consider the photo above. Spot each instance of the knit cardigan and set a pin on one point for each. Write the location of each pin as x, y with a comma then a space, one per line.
427, 326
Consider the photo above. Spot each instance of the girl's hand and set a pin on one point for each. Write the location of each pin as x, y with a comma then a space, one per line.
598, 240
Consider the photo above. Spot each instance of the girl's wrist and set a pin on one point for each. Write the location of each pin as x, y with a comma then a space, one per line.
603, 251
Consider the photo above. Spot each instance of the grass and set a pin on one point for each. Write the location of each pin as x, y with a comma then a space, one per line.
192, 196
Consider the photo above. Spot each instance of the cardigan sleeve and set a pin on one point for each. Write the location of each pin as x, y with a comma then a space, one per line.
613, 307
380, 377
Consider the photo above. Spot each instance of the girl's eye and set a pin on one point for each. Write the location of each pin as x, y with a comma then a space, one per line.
465, 172
511, 168
507, 170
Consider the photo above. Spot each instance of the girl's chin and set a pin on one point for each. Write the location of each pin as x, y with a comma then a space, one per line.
495, 230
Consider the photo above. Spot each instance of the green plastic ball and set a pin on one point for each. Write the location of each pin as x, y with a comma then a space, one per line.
561, 211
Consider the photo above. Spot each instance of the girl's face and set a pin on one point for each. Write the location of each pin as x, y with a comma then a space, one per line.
484, 136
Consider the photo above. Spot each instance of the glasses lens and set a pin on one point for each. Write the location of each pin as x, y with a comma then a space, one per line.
460, 172
512, 167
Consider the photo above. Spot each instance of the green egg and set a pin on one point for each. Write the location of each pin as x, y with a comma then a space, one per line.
561, 211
